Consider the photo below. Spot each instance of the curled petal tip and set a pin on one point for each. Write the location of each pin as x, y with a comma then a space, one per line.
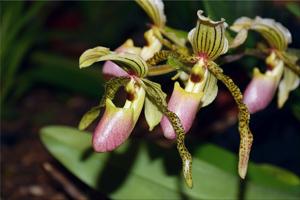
242, 172
244, 153
185, 105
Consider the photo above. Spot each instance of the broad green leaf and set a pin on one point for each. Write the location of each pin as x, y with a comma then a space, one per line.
62, 73
262, 174
141, 170
152, 114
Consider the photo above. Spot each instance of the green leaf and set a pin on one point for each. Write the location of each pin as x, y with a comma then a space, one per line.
294, 8
262, 174
140, 170
63, 73
152, 114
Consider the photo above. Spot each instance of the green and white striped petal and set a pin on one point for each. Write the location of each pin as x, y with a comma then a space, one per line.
131, 63
91, 56
274, 32
152, 114
208, 37
241, 24
155, 10
210, 89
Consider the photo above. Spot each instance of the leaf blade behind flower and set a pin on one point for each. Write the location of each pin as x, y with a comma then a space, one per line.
147, 177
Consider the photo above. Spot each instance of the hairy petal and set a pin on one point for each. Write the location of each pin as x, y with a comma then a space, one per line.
243, 116
157, 96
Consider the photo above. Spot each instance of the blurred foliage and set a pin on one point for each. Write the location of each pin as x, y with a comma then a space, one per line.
294, 8
145, 171
17, 37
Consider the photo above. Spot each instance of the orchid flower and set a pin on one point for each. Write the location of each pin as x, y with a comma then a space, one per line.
116, 124
155, 10
208, 42
282, 71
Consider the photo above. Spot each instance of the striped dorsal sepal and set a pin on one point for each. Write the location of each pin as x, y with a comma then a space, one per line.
208, 37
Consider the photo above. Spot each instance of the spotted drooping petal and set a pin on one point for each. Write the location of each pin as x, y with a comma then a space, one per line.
208, 37
116, 124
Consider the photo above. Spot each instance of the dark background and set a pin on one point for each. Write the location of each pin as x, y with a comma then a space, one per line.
41, 84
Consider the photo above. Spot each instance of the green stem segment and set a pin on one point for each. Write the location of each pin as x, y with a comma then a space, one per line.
243, 116
163, 55
160, 69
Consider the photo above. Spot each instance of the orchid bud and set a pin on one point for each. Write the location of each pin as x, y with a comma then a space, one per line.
117, 123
